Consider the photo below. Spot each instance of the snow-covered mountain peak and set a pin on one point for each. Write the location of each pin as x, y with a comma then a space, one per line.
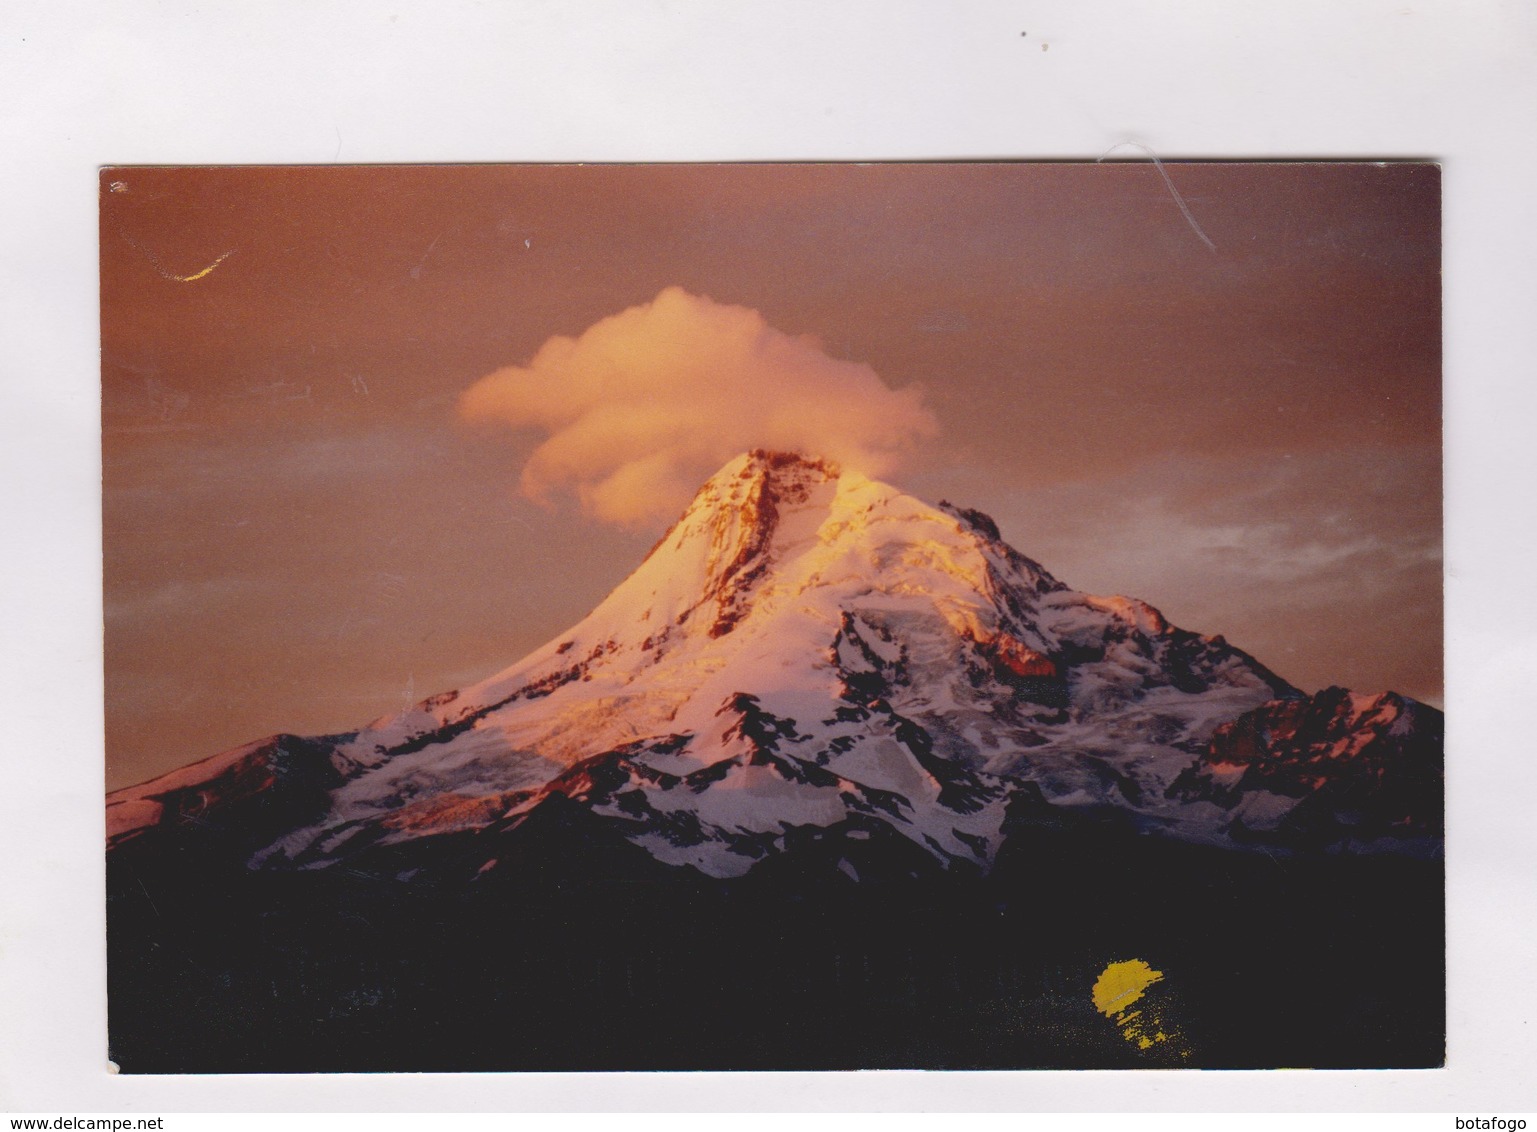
806, 647
771, 529
742, 519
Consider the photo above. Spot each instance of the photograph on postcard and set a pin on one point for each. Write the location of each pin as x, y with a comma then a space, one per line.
773, 617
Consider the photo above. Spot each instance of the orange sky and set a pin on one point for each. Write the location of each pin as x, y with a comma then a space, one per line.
301, 533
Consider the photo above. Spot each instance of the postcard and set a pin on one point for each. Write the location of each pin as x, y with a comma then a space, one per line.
773, 617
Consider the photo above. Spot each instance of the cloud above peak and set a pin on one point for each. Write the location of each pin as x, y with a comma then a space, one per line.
642, 406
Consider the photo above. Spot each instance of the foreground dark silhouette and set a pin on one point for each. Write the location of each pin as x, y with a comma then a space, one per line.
588, 955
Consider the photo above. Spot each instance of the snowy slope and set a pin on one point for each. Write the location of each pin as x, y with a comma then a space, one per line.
804, 649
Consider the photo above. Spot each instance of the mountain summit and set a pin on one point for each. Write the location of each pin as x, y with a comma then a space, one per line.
809, 655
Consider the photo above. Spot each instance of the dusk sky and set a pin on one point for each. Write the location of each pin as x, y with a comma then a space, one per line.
346, 467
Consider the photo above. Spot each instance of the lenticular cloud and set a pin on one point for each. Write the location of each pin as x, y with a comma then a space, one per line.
644, 405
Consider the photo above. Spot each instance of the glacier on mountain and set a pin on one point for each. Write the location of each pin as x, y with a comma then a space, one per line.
810, 648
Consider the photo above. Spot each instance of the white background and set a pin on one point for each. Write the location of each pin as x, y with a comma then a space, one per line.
87, 84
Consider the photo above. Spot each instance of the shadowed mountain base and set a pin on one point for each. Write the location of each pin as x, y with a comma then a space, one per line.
588, 955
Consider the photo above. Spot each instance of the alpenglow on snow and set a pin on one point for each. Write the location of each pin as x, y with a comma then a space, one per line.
812, 650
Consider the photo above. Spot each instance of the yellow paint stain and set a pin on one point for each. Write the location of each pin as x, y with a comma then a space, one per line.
1120, 986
